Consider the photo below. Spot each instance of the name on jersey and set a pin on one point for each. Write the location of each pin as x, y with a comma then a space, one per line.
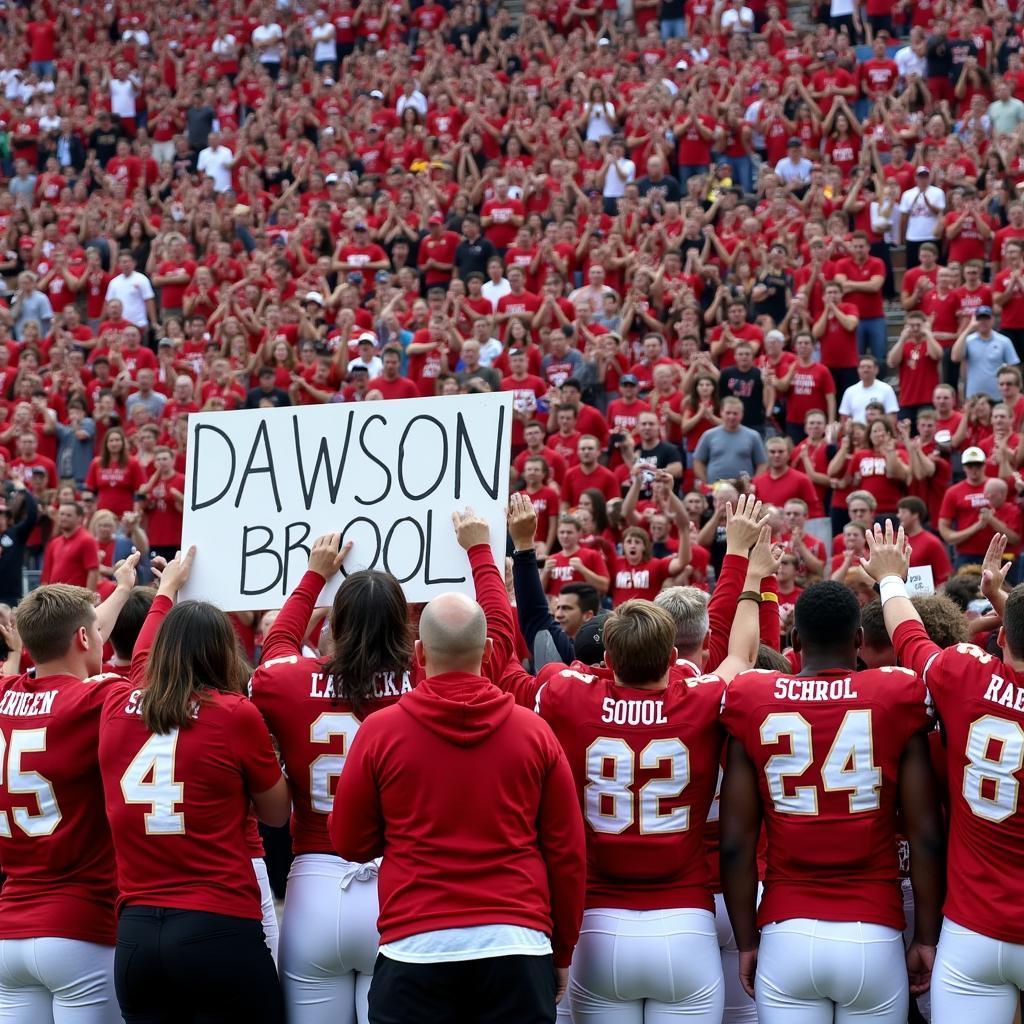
633, 712
134, 705
815, 689
385, 684
999, 692
25, 705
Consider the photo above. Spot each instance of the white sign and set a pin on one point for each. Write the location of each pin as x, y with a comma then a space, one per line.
920, 581
261, 485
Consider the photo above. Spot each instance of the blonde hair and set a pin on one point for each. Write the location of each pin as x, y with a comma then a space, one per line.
639, 638
50, 616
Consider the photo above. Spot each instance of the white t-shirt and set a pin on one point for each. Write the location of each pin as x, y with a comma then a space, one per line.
921, 222
741, 20
323, 38
789, 171
216, 164
268, 34
132, 292
122, 97
494, 290
910, 63
614, 183
856, 398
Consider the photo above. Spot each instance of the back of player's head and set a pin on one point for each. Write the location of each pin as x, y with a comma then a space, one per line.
370, 631
129, 623
195, 649
688, 607
639, 642
1013, 622
943, 621
873, 623
586, 594
50, 616
827, 616
453, 633
770, 659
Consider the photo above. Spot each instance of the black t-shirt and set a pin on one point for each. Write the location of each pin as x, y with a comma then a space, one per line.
276, 396
939, 59
775, 304
660, 456
472, 257
749, 389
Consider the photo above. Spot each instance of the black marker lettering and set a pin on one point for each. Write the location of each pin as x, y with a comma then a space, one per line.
323, 458
426, 569
401, 458
373, 458
196, 504
462, 438
261, 437
290, 546
387, 548
266, 549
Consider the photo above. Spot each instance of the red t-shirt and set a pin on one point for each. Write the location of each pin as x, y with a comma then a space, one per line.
808, 389
562, 572
791, 484
545, 504
70, 559
919, 374
827, 754
55, 844
115, 485
556, 464
868, 304
838, 345
400, 387
163, 517
870, 466
641, 581
602, 478
1013, 311
960, 506
501, 232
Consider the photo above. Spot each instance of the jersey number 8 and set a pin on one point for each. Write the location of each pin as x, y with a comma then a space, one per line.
991, 788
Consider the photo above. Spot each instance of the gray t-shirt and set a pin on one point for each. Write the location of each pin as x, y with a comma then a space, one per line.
983, 360
729, 454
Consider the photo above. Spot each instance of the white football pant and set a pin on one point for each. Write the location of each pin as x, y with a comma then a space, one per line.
976, 978
329, 940
646, 967
817, 972
270, 928
57, 981
739, 1007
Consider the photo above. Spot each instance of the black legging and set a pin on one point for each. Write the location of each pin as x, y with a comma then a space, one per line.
190, 967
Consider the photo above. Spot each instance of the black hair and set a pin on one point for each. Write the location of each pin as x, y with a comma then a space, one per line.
827, 616
587, 595
873, 623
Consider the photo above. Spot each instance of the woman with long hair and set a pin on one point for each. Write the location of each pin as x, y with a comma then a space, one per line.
853, 439
314, 706
700, 410
183, 756
114, 474
882, 468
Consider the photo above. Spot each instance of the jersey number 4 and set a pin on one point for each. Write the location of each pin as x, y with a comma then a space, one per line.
849, 765
612, 806
149, 780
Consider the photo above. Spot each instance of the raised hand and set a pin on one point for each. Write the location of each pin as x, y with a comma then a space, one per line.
176, 572
470, 529
522, 522
743, 524
124, 571
765, 556
888, 554
993, 569
327, 555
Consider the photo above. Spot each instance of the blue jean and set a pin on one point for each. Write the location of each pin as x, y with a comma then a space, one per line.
872, 336
673, 28
44, 68
742, 172
688, 171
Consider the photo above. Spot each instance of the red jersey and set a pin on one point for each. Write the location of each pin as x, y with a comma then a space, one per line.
556, 464
645, 763
919, 374
313, 727
602, 478
178, 802
163, 516
808, 389
545, 504
838, 345
827, 753
980, 700
643, 580
115, 485
562, 572
960, 507
54, 838
870, 467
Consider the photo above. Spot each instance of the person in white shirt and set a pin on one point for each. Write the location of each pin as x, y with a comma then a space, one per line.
794, 168
135, 293
617, 172
267, 38
868, 389
325, 49
910, 59
216, 162
922, 207
124, 89
411, 97
496, 284
738, 19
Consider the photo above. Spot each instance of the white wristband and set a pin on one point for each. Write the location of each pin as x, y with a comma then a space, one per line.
892, 586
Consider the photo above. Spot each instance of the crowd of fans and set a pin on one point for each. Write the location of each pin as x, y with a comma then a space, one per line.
675, 230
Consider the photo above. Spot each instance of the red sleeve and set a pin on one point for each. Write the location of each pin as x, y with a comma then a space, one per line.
599, 565
138, 476
140, 656
254, 749
722, 607
914, 648
562, 845
771, 631
44, 577
90, 476
285, 637
356, 823
90, 553
493, 598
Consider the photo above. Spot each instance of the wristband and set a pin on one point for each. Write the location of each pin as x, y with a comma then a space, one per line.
892, 586
767, 595
750, 595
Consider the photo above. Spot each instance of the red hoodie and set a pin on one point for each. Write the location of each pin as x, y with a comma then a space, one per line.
471, 803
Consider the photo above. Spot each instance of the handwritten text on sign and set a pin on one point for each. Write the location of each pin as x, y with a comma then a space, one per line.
262, 484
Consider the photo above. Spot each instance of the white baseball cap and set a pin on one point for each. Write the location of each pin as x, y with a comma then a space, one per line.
973, 455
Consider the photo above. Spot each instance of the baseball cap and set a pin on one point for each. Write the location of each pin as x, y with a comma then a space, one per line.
973, 456
589, 642
922, 170
359, 226
795, 142
377, 94
516, 352
166, 342
314, 297
267, 371
331, 179
436, 218
627, 379
983, 311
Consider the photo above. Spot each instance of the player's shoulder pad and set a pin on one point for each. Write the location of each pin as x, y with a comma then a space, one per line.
107, 679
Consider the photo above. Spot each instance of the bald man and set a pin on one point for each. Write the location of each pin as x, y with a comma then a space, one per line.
471, 803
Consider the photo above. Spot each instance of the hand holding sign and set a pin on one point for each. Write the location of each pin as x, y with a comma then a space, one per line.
176, 572
471, 529
325, 558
